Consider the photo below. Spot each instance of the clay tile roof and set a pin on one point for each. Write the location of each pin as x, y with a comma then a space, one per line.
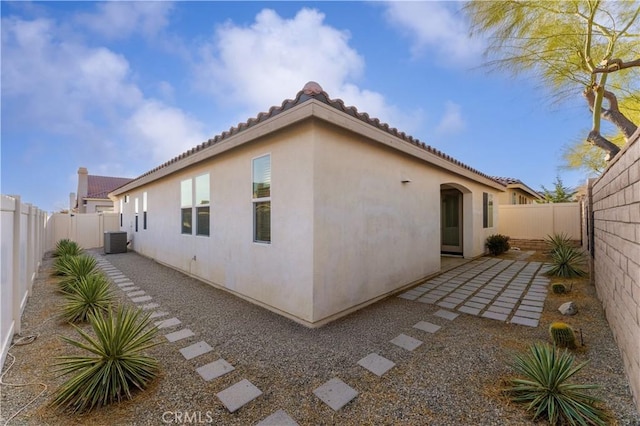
507, 180
100, 186
313, 90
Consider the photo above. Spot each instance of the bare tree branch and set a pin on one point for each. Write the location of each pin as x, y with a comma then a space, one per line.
616, 65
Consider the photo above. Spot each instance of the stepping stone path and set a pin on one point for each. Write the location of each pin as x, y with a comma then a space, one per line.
505, 290
450, 292
234, 397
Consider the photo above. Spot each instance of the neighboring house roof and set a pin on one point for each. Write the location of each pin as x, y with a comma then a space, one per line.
517, 183
311, 91
101, 186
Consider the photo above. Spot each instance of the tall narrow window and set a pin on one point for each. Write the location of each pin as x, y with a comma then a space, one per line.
186, 203
144, 210
487, 210
202, 205
136, 211
262, 199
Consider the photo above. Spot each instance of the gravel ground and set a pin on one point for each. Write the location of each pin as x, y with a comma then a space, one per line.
454, 378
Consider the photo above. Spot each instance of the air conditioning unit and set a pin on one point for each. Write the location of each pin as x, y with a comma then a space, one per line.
115, 242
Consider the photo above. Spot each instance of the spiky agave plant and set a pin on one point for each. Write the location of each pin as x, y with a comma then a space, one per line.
557, 240
546, 391
88, 295
566, 262
74, 267
67, 247
114, 364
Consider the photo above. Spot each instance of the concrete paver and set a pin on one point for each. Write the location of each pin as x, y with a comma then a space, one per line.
406, 342
335, 393
279, 418
377, 364
238, 395
196, 350
499, 289
215, 369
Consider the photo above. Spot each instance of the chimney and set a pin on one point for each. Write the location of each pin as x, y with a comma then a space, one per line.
83, 188
72, 202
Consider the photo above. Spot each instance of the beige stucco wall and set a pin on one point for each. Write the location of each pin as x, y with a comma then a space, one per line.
507, 196
616, 253
345, 230
277, 275
373, 233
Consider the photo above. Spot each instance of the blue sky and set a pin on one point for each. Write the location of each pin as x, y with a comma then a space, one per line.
122, 87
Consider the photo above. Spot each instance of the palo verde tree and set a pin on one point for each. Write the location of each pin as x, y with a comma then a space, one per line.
588, 46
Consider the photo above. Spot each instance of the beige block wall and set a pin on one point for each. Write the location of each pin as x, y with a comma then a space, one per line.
616, 262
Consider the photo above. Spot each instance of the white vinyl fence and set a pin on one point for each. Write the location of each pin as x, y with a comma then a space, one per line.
23, 247
537, 221
86, 229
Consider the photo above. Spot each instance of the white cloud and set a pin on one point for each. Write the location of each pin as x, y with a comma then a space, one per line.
163, 131
86, 94
121, 19
261, 64
452, 120
437, 29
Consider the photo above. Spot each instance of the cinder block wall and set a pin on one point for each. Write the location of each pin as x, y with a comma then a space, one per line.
616, 253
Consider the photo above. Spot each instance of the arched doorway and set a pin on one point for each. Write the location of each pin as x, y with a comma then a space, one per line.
452, 210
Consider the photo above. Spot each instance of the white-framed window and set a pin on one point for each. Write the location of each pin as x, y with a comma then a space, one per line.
144, 210
186, 204
487, 210
195, 202
136, 204
202, 205
261, 198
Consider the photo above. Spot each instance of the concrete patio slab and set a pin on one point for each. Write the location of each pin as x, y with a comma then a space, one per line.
196, 350
335, 393
406, 342
238, 395
377, 364
215, 369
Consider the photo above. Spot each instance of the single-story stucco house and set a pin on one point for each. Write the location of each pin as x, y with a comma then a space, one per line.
517, 192
311, 210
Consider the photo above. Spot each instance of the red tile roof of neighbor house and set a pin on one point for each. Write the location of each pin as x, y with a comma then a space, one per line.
313, 90
513, 181
101, 186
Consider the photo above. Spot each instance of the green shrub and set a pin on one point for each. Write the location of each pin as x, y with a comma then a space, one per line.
75, 266
556, 241
546, 391
566, 262
67, 247
88, 295
114, 364
562, 335
559, 288
497, 244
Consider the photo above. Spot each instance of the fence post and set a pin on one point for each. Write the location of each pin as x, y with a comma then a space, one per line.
15, 279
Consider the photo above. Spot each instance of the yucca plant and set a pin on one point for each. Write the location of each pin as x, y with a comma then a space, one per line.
88, 295
67, 247
556, 241
114, 364
546, 391
75, 266
566, 262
